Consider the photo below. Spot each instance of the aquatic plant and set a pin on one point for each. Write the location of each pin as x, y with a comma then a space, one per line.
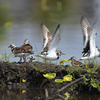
23, 91
64, 60
59, 80
67, 78
8, 25
67, 96
5, 57
5, 6
50, 75
91, 80
23, 80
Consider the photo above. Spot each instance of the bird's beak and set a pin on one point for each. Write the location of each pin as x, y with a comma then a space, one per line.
80, 59
9, 46
63, 54
69, 59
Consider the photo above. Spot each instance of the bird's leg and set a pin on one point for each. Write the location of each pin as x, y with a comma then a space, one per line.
24, 57
85, 63
20, 59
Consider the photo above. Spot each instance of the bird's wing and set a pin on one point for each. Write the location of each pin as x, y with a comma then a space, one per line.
26, 48
93, 48
17, 50
46, 36
55, 40
86, 30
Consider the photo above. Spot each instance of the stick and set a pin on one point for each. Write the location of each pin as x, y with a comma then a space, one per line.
66, 86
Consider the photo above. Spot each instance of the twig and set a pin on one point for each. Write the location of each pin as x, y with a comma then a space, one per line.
66, 86
61, 96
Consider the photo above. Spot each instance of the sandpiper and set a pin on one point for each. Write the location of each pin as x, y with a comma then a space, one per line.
22, 51
89, 35
50, 44
31, 58
75, 63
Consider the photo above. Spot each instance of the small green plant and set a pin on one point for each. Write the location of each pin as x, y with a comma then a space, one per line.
15, 72
90, 79
5, 57
67, 96
64, 60
59, 80
49, 77
67, 78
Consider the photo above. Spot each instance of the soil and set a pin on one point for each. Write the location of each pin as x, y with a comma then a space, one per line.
12, 75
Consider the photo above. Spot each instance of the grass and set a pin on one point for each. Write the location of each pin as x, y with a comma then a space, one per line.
5, 57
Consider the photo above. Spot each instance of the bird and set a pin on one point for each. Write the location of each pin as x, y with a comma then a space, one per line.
22, 51
75, 63
50, 44
31, 58
89, 34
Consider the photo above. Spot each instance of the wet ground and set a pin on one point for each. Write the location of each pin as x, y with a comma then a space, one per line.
12, 85
13, 74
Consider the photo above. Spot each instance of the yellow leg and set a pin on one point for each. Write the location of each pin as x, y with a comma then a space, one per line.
85, 63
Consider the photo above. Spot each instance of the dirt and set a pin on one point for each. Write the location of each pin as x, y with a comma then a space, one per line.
13, 74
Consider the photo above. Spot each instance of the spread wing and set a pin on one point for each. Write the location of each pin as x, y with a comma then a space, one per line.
86, 30
56, 39
46, 36
93, 49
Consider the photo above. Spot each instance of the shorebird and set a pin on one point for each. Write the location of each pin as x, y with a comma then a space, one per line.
22, 51
50, 44
89, 34
31, 58
75, 63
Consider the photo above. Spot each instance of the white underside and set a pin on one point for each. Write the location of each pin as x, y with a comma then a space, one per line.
93, 54
22, 54
49, 57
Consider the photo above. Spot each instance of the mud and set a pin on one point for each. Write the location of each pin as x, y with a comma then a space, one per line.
13, 74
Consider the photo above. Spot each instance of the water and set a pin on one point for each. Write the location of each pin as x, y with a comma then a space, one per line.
36, 94
27, 15
26, 18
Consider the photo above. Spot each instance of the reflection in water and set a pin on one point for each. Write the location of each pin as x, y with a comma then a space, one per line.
37, 94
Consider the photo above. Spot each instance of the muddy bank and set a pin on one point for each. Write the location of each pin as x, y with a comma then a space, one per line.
32, 73
13, 74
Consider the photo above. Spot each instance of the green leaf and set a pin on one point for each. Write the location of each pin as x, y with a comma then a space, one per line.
94, 85
64, 60
59, 80
67, 94
50, 75
67, 78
